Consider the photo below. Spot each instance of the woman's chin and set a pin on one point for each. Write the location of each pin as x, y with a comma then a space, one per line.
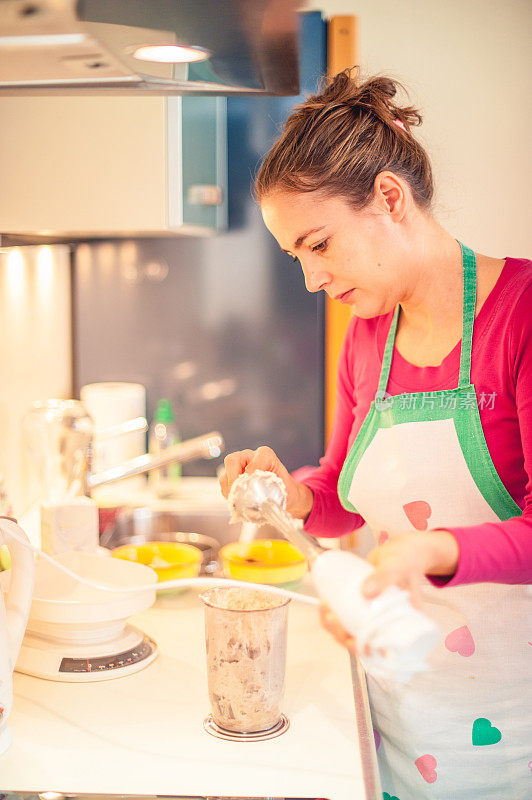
364, 312
366, 307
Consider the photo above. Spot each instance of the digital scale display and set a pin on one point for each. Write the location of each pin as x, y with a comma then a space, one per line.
143, 650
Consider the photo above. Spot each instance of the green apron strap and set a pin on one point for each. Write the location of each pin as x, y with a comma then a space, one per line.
469, 267
469, 270
388, 354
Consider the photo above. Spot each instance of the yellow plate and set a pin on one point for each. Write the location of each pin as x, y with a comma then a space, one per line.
273, 561
170, 560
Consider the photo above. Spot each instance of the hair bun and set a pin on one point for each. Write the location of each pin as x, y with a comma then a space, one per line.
375, 95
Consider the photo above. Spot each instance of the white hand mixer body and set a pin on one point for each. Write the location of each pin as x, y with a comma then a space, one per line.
13, 616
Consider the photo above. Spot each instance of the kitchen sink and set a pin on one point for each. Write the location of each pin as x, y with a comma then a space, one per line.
197, 515
207, 529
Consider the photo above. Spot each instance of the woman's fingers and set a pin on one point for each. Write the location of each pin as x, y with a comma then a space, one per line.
397, 563
331, 624
415, 595
264, 458
234, 465
224, 484
378, 581
248, 461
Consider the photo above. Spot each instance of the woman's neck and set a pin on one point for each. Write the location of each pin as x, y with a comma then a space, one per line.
432, 299
430, 323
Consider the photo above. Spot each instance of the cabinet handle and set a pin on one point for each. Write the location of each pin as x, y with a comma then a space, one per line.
204, 195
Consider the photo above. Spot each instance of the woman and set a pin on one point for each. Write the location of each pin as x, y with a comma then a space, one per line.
432, 438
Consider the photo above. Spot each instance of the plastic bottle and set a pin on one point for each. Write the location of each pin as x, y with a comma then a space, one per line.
163, 433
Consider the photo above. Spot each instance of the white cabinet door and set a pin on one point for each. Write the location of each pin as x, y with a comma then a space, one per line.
104, 166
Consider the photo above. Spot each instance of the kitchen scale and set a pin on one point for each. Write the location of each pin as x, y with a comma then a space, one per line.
77, 633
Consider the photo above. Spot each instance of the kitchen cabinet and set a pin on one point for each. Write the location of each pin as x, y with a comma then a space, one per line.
97, 167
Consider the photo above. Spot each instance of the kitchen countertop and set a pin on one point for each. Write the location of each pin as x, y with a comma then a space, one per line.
143, 733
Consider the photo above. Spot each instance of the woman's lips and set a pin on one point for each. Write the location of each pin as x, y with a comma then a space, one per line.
346, 296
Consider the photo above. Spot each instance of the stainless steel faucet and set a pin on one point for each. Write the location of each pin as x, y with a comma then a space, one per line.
60, 439
210, 445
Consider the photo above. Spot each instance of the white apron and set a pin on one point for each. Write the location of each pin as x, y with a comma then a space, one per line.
462, 730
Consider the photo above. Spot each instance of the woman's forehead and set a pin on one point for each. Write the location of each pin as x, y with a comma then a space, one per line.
290, 208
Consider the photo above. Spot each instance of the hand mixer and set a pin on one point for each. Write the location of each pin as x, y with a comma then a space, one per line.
397, 636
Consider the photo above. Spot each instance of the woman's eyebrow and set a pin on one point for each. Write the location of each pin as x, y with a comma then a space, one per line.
299, 241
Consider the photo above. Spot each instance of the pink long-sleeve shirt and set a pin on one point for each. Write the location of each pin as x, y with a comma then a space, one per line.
501, 371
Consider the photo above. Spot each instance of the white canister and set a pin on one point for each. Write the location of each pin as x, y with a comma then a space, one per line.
109, 404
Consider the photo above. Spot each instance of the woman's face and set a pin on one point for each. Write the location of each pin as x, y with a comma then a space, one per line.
354, 256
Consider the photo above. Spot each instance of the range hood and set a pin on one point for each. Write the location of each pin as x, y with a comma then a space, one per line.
86, 47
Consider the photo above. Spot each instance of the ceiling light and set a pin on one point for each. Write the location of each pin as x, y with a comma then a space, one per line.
171, 53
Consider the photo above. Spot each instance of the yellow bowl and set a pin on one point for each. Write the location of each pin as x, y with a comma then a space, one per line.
170, 560
272, 561
5, 558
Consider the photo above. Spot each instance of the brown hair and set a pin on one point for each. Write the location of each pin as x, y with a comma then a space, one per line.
338, 141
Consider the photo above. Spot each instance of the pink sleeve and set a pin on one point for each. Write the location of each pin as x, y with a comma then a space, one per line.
501, 552
328, 518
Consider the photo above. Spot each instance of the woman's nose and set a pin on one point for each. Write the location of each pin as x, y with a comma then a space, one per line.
315, 281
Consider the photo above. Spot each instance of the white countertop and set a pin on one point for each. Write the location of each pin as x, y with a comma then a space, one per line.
143, 733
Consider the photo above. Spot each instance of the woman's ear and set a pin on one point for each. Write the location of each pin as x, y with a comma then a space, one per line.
391, 194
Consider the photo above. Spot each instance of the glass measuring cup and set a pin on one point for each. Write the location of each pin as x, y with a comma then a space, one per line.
245, 636
58, 436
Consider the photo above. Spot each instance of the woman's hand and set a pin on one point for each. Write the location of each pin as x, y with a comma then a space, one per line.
331, 623
405, 559
299, 498
401, 561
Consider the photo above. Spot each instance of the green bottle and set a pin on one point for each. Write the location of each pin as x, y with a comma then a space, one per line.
163, 433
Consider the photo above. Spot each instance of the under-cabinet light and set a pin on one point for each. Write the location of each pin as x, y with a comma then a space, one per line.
171, 53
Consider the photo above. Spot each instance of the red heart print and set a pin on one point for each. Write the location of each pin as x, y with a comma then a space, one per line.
418, 513
460, 641
427, 768
383, 537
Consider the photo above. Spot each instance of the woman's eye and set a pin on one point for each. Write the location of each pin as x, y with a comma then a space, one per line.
321, 247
